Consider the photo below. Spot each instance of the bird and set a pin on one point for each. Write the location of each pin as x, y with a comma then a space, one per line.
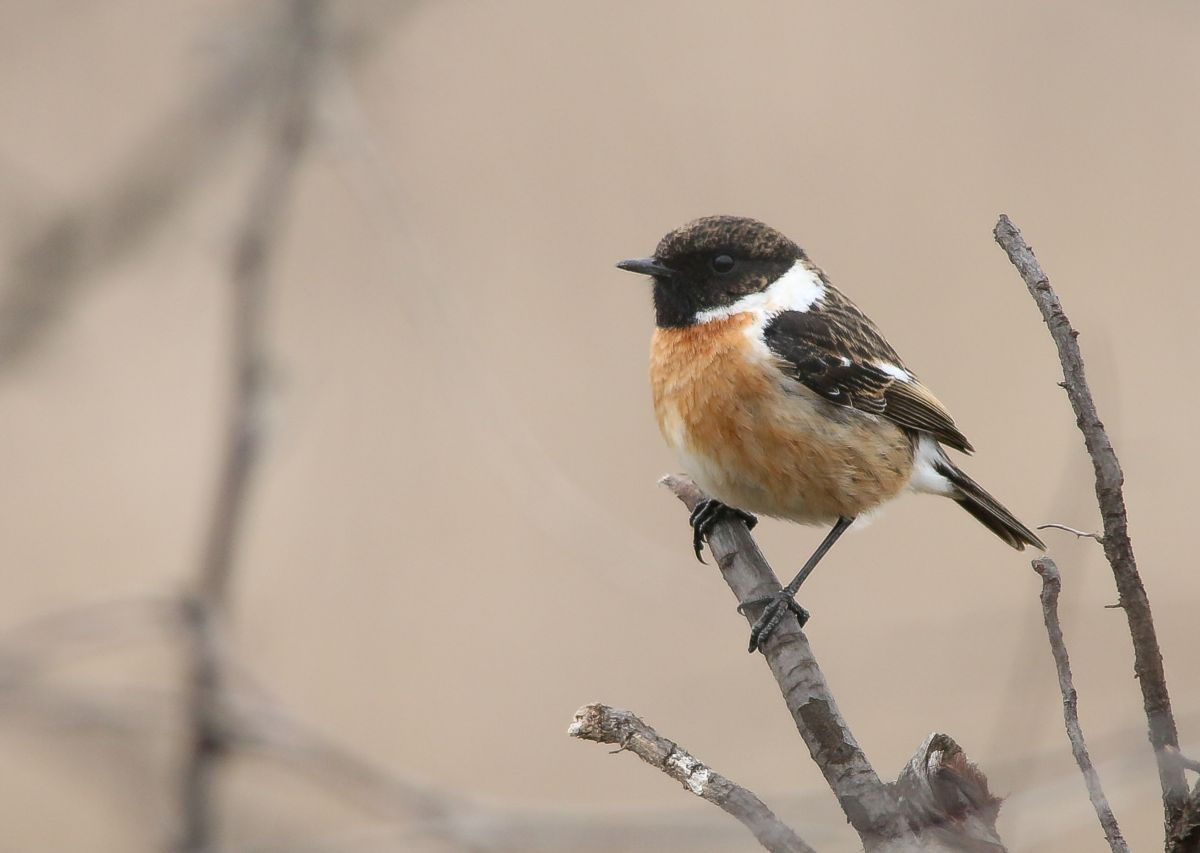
780, 397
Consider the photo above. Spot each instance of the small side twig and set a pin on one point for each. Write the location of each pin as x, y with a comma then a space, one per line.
1079, 534
603, 724
1118, 550
1051, 587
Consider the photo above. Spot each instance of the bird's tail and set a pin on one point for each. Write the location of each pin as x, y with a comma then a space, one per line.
990, 512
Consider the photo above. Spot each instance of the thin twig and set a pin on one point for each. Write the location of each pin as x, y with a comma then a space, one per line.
603, 724
868, 804
208, 605
1147, 656
1079, 534
1051, 586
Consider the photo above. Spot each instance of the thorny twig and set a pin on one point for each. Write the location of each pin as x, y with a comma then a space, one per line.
603, 724
1051, 586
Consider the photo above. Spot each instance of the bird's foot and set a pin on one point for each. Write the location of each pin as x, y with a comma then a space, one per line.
776, 605
706, 514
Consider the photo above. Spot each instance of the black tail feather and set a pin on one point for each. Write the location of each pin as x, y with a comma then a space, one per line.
989, 511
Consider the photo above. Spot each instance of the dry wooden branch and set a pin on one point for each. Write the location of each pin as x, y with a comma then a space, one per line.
207, 606
1051, 586
603, 724
873, 808
942, 790
868, 804
1148, 664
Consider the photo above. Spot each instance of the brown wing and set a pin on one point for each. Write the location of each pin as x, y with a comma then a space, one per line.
836, 351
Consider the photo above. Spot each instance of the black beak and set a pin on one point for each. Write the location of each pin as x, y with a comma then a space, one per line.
646, 266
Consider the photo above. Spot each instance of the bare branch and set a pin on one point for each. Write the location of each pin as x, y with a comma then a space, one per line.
1148, 664
878, 812
1051, 586
868, 804
603, 724
296, 63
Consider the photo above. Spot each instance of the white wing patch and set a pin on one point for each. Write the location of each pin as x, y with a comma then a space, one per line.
798, 289
895, 371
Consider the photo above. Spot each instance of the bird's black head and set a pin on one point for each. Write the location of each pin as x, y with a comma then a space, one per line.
712, 263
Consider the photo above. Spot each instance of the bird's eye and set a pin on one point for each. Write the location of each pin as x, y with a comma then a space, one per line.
722, 263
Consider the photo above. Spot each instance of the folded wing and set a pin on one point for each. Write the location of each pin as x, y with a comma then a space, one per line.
835, 350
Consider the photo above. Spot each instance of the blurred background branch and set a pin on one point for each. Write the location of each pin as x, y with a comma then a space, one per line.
293, 68
56, 256
67, 250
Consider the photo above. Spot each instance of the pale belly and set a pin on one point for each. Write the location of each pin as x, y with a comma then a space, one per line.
755, 440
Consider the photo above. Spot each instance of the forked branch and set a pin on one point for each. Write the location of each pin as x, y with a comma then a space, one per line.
869, 805
941, 802
1118, 550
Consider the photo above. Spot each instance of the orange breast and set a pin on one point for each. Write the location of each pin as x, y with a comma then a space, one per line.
754, 439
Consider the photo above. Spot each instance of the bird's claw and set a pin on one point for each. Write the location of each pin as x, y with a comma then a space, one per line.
776, 605
706, 514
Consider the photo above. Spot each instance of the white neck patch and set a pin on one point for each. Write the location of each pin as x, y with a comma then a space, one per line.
798, 289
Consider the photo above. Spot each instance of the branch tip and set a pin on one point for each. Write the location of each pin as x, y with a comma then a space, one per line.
1046, 567
683, 488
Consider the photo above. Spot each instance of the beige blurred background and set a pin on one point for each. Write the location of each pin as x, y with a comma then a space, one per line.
454, 538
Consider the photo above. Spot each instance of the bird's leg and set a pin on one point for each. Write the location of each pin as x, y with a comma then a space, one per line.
785, 599
706, 514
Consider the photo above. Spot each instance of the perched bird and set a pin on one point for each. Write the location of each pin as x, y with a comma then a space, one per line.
782, 398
